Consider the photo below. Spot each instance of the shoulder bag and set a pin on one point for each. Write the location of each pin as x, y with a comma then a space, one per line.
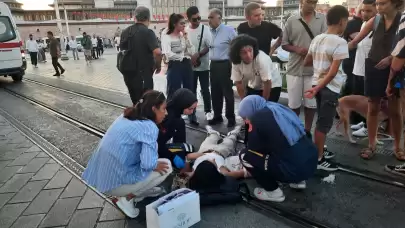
311, 35
199, 46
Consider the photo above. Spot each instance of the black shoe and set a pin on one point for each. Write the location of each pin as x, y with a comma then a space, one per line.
326, 165
57, 75
215, 121
396, 169
194, 122
62, 71
328, 154
231, 122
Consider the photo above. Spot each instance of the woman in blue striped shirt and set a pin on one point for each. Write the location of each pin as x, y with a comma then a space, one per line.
125, 163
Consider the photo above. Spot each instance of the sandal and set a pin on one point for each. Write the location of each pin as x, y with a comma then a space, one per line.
399, 154
367, 153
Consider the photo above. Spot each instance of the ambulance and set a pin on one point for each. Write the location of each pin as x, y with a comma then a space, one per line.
12, 56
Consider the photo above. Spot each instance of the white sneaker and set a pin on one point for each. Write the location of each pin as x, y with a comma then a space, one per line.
299, 185
235, 131
127, 206
209, 116
362, 132
153, 192
274, 196
358, 126
210, 130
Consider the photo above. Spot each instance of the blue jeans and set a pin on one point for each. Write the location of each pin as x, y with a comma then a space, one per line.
179, 75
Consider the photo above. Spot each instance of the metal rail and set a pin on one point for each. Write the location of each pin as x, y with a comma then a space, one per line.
342, 167
269, 210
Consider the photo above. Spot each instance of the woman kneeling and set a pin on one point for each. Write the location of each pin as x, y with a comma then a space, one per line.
125, 163
278, 149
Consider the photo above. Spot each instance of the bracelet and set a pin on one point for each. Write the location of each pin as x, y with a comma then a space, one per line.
188, 160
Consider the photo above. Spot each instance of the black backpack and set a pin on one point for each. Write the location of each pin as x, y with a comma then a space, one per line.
126, 59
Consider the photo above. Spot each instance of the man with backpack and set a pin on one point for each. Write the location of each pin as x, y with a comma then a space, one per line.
140, 55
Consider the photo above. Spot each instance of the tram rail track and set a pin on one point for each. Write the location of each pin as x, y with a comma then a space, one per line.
342, 167
77, 169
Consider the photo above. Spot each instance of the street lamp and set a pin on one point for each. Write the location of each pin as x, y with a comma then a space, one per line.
60, 28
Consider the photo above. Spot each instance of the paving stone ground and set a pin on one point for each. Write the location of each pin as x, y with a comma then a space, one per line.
36, 191
102, 73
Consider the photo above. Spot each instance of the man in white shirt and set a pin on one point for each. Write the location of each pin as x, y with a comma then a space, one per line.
368, 11
252, 70
73, 47
200, 37
32, 48
94, 43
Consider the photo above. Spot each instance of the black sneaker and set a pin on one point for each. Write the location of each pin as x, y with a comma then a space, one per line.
215, 121
57, 75
396, 169
326, 165
328, 154
62, 71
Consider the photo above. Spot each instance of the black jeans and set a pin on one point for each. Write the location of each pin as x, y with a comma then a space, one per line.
221, 87
204, 78
34, 58
179, 74
358, 89
138, 82
56, 65
264, 179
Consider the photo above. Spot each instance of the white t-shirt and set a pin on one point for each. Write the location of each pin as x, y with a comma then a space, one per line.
219, 160
72, 44
260, 70
117, 41
94, 42
324, 49
32, 46
176, 48
363, 48
194, 35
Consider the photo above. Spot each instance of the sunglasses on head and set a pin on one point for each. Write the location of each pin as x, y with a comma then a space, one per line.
196, 19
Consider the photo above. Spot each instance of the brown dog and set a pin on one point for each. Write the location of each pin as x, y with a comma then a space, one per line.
358, 104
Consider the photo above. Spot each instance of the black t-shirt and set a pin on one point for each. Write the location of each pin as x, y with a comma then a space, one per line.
263, 33
353, 26
143, 42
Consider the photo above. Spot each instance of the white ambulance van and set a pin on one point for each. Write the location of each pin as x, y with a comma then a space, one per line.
12, 56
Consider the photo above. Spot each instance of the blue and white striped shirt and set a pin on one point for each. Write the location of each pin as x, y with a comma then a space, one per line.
126, 154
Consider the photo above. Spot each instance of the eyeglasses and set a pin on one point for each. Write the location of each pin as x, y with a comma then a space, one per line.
195, 19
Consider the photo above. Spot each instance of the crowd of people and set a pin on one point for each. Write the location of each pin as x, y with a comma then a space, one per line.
328, 54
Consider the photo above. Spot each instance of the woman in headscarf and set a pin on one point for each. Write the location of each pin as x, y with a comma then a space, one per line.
278, 149
173, 127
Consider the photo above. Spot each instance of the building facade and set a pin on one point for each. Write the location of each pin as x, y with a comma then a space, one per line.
16, 9
291, 6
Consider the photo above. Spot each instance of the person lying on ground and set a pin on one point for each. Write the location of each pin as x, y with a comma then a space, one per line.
208, 170
278, 149
173, 128
126, 164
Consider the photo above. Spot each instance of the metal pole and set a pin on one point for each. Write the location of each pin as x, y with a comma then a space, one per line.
60, 28
66, 19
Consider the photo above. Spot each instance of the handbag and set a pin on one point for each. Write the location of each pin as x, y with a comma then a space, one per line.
199, 47
311, 35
